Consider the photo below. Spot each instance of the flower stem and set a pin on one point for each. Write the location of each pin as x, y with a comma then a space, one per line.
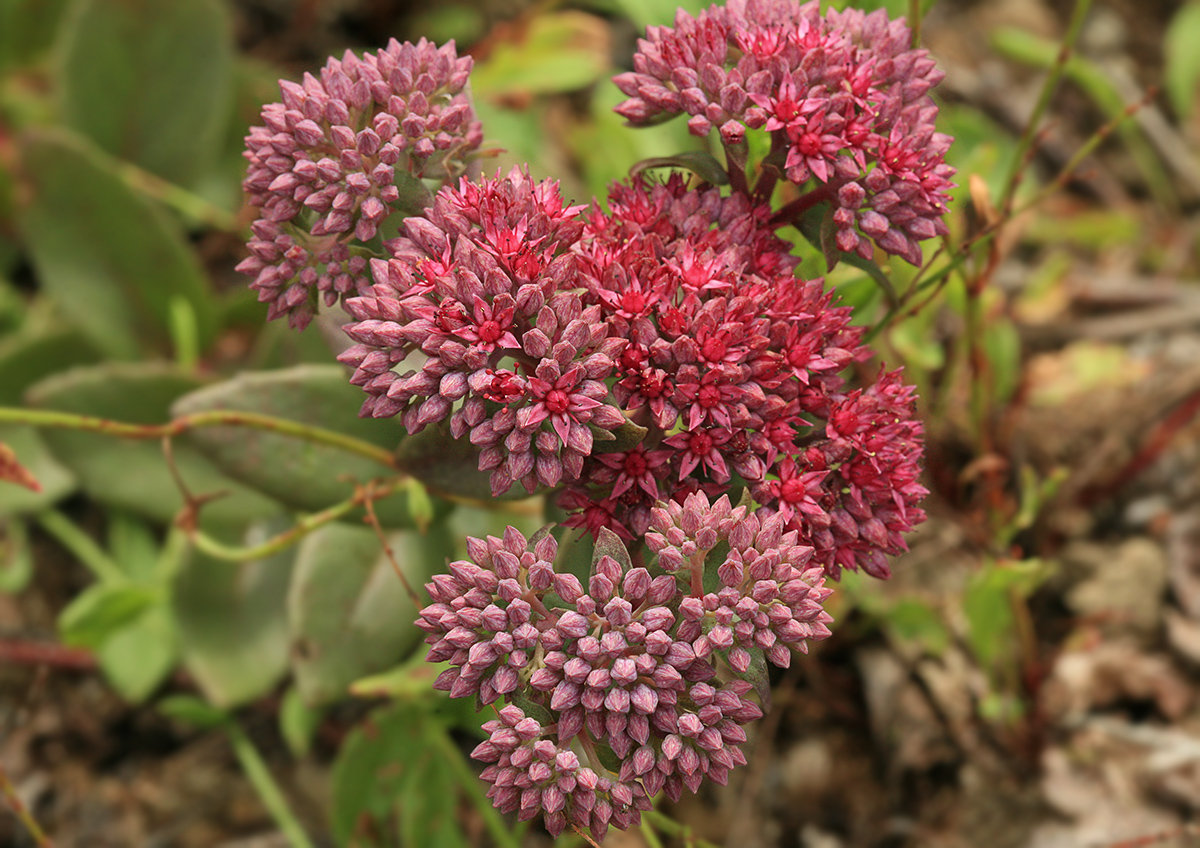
188, 204
266, 787
219, 550
22, 812
791, 213
196, 421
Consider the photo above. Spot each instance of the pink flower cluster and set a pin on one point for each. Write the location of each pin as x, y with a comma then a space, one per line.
626, 666
843, 95
332, 160
485, 286
644, 362
677, 311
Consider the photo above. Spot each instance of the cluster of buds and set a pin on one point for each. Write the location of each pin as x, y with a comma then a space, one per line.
843, 96
339, 155
627, 668
644, 362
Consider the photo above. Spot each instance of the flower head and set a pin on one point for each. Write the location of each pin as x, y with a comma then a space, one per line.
626, 663
333, 159
482, 287
845, 95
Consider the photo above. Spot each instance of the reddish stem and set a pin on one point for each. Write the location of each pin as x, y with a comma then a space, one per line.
20, 652
791, 213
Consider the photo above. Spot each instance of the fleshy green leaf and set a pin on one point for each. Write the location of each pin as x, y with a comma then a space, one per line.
111, 260
609, 543
102, 610
192, 710
625, 438
134, 474
988, 606
348, 611
27, 358
149, 81
27, 28
756, 676
298, 722
300, 474
139, 656
1181, 76
449, 467
16, 558
233, 624
56, 482
701, 163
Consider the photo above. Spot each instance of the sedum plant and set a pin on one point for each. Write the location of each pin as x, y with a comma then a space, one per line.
698, 418
653, 362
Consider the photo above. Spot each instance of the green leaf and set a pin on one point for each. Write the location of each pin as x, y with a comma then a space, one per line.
133, 474
988, 605
111, 260
295, 472
102, 610
133, 546
298, 722
449, 467
348, 611
29, 357
27, 28
756, 676
31, 450
1181, 73
700, 162
392, 770
192, 710
16, 558
609, 544
149, 81
1002, 342
138, 657
625, 438
232, 622
916, 622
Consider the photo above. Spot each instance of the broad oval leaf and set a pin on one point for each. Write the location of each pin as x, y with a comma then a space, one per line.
102, 610
609, 544
449, 467
149, 81
348, 611
28, 358
113, 262
232, 621
138, 657
134, 474
27, 29
295, 472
